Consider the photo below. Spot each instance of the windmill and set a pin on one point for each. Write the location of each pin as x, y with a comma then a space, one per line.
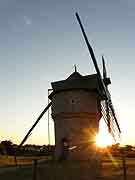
107, 106
67, 88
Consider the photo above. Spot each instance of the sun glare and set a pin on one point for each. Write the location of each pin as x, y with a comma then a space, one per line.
104, 140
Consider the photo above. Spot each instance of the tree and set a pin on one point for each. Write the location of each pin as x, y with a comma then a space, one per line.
2, 149
8, 146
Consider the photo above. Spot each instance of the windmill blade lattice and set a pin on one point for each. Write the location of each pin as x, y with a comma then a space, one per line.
112, 128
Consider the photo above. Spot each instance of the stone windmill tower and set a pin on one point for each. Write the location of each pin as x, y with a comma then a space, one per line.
76, 113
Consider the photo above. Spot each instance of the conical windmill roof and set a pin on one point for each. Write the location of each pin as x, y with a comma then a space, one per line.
74, 76
76, 81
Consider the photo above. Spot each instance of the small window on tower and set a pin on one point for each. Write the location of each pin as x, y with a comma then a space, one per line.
73, 101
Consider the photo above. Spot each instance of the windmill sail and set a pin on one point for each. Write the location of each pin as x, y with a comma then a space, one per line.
106, 103
104, 68
114, 126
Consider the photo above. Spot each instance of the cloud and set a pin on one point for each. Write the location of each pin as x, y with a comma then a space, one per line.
27, 20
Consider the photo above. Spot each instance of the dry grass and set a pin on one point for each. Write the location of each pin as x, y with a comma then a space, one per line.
110, 170
113, 170
54, 171
21, 160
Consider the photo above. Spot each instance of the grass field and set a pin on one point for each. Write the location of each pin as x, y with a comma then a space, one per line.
110, 170
21, 160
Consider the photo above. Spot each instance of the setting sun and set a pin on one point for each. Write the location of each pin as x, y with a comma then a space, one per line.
104, 140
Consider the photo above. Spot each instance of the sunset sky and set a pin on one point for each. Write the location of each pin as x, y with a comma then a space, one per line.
40, 41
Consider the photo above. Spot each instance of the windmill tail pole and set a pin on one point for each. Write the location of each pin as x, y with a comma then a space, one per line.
34, 125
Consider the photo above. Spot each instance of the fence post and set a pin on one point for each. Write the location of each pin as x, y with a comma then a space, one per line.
124, 165
34, 169
15, 160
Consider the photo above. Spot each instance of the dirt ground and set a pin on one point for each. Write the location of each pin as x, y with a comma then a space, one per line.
110, 170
